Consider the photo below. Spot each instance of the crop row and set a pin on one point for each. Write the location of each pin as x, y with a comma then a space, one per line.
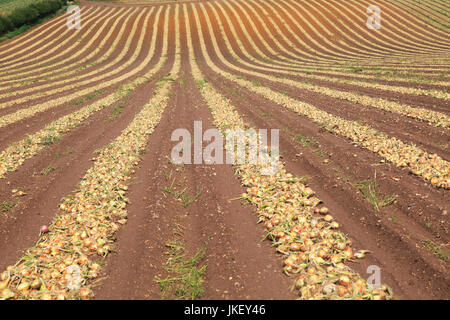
31, 111
400, 19
263, 58
429, 11
61, 62
74, 61
432, 117
314, 250
91, 77
333, 48
88, 218
431, 167
269, 34
48, 47
16, 154
434, 93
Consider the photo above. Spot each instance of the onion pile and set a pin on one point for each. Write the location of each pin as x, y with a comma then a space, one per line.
308, 237
304, 233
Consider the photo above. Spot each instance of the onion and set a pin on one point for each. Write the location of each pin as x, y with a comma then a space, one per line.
335, 258
6, 294
329, 288
44, 229
311, 270
322, 253
334, 225
300, 282
83, 260
5, 275
46, 296
87, 242
23, 286
276, 221
341, 245
288, 268
348, 252
36, 284
342, 291
344, 280
289, 261
4, 284
85, 292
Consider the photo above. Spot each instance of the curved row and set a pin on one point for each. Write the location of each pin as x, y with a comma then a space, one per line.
312, 247
431, 167
118, 62
87, 220
432, 117
72, 60
144, 63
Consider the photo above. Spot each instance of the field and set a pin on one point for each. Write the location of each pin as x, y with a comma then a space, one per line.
93, 205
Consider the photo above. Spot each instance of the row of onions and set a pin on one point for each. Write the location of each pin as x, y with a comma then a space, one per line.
15, 155
305, 233
430, 167
144, 63
83, 231
261, 69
